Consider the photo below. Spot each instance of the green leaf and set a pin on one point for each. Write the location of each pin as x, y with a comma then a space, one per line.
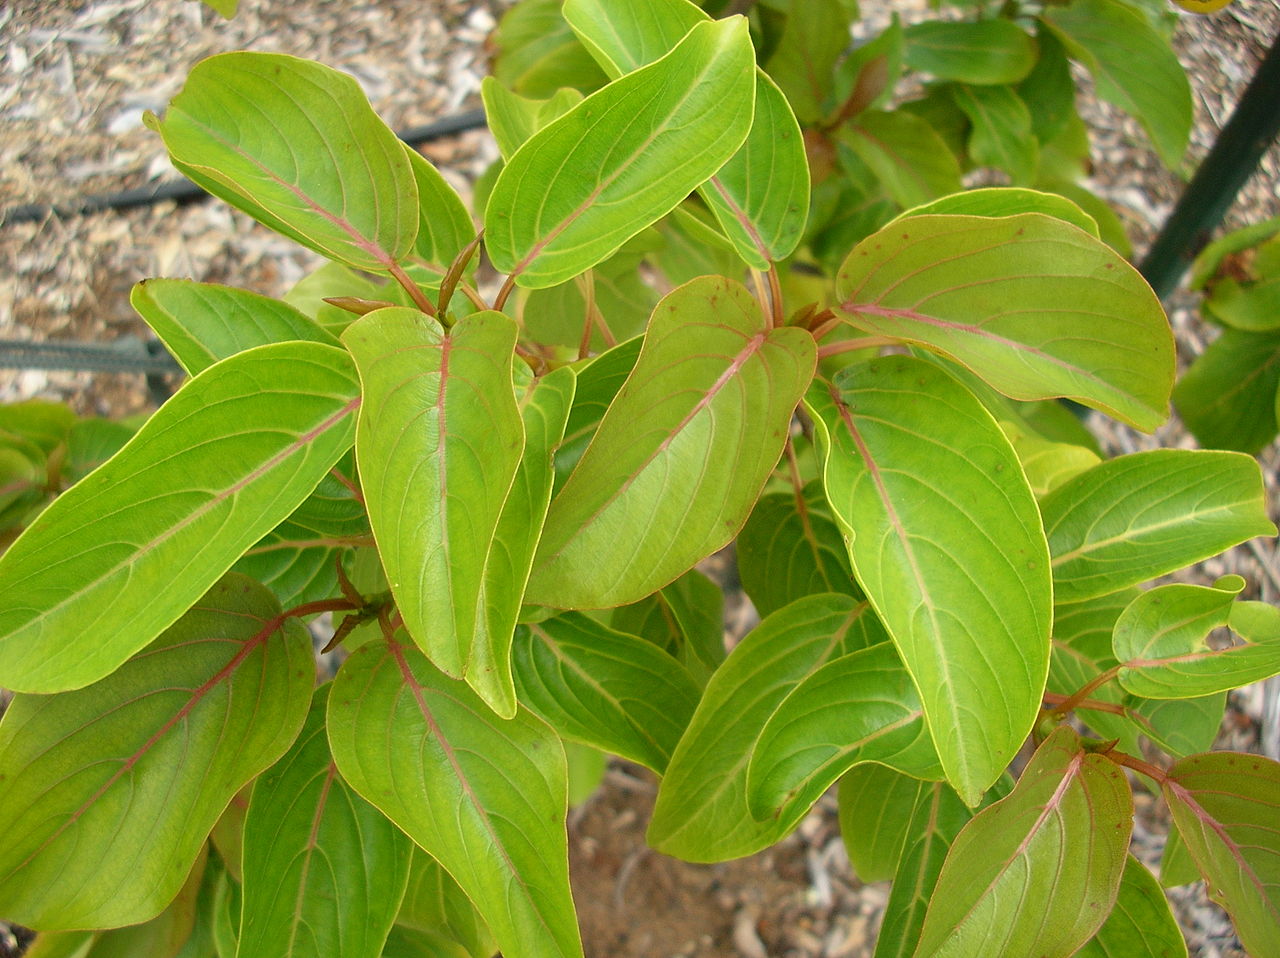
296, 146
626, 37
1038, 872
1036, 307
604, 688
1209, 263
877, 807
983, 51
293, 564
938, 816
439, 443
165, 935
1132, 65
598, 383
444, 225
226, 917
861, 707
920, 477
227, 8
701, 419
484, 796
332, 280
995, 201
1252, 305
906, 154
1140, 516
1049, 90
791, 547
119, 556
1160, 641
1181, 727
1230, 397
1000, 135
201, 323
867, 77
1226, 806
1141, 924
637, 147
685, 618
536, 54
324, 871
803, 66
433, 902
514, 118
1047, 464
701, 812
110, 791
45, 424
92, 442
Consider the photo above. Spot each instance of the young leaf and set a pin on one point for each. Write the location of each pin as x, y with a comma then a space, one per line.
622, 158
1034, 306
861, 707
1038, 872
1226, 806
701, 813
1160, 641
990, 52
968, 607
201, 323
296, 146
1133, 66
604, 688
484, 796
110, 791
1139, 516
324, 871
438, 444
791, 547
702, 418
1141, 924
118, 557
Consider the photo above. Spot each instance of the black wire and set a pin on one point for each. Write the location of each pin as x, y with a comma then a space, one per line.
184, 191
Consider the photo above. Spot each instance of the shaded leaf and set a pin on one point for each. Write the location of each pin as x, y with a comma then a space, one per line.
484, 796
216, 468
1229, 396
444, 225
1141, 924
1132, 65
296, 146
433, 902
1000, 135
536, 54
110, 791
604, 688
919, 477
295, 565
803, 65
1036, 307
1226, 806
861, 707
649, 137
598, 383
1049, 90
702, 418
1038, 872
324, 871
791, 547
1047, 464
907, 155
701, 812
984, 51
877, 808
439, 443
1139, 516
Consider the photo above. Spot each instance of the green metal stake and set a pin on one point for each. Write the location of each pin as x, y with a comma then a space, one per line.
1235, 154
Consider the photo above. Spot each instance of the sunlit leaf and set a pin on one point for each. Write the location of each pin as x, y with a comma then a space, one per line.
1038, 872
296, 146
701, 813
1036, 307
861, 707
324, 871
920, 479
484, 796
110, 791
1139, 516
513, 118
648, 138
439, 442
1227, 809
701, 419
119, 556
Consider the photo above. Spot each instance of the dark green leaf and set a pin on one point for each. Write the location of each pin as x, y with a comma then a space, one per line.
433, 902
877, 808
1000, 131
906, 154
536, 54
983, 51
1228, 398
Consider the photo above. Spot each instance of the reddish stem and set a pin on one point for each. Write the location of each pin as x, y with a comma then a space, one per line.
415, 292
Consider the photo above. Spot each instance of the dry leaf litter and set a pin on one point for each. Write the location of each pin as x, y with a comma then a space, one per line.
75, 78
